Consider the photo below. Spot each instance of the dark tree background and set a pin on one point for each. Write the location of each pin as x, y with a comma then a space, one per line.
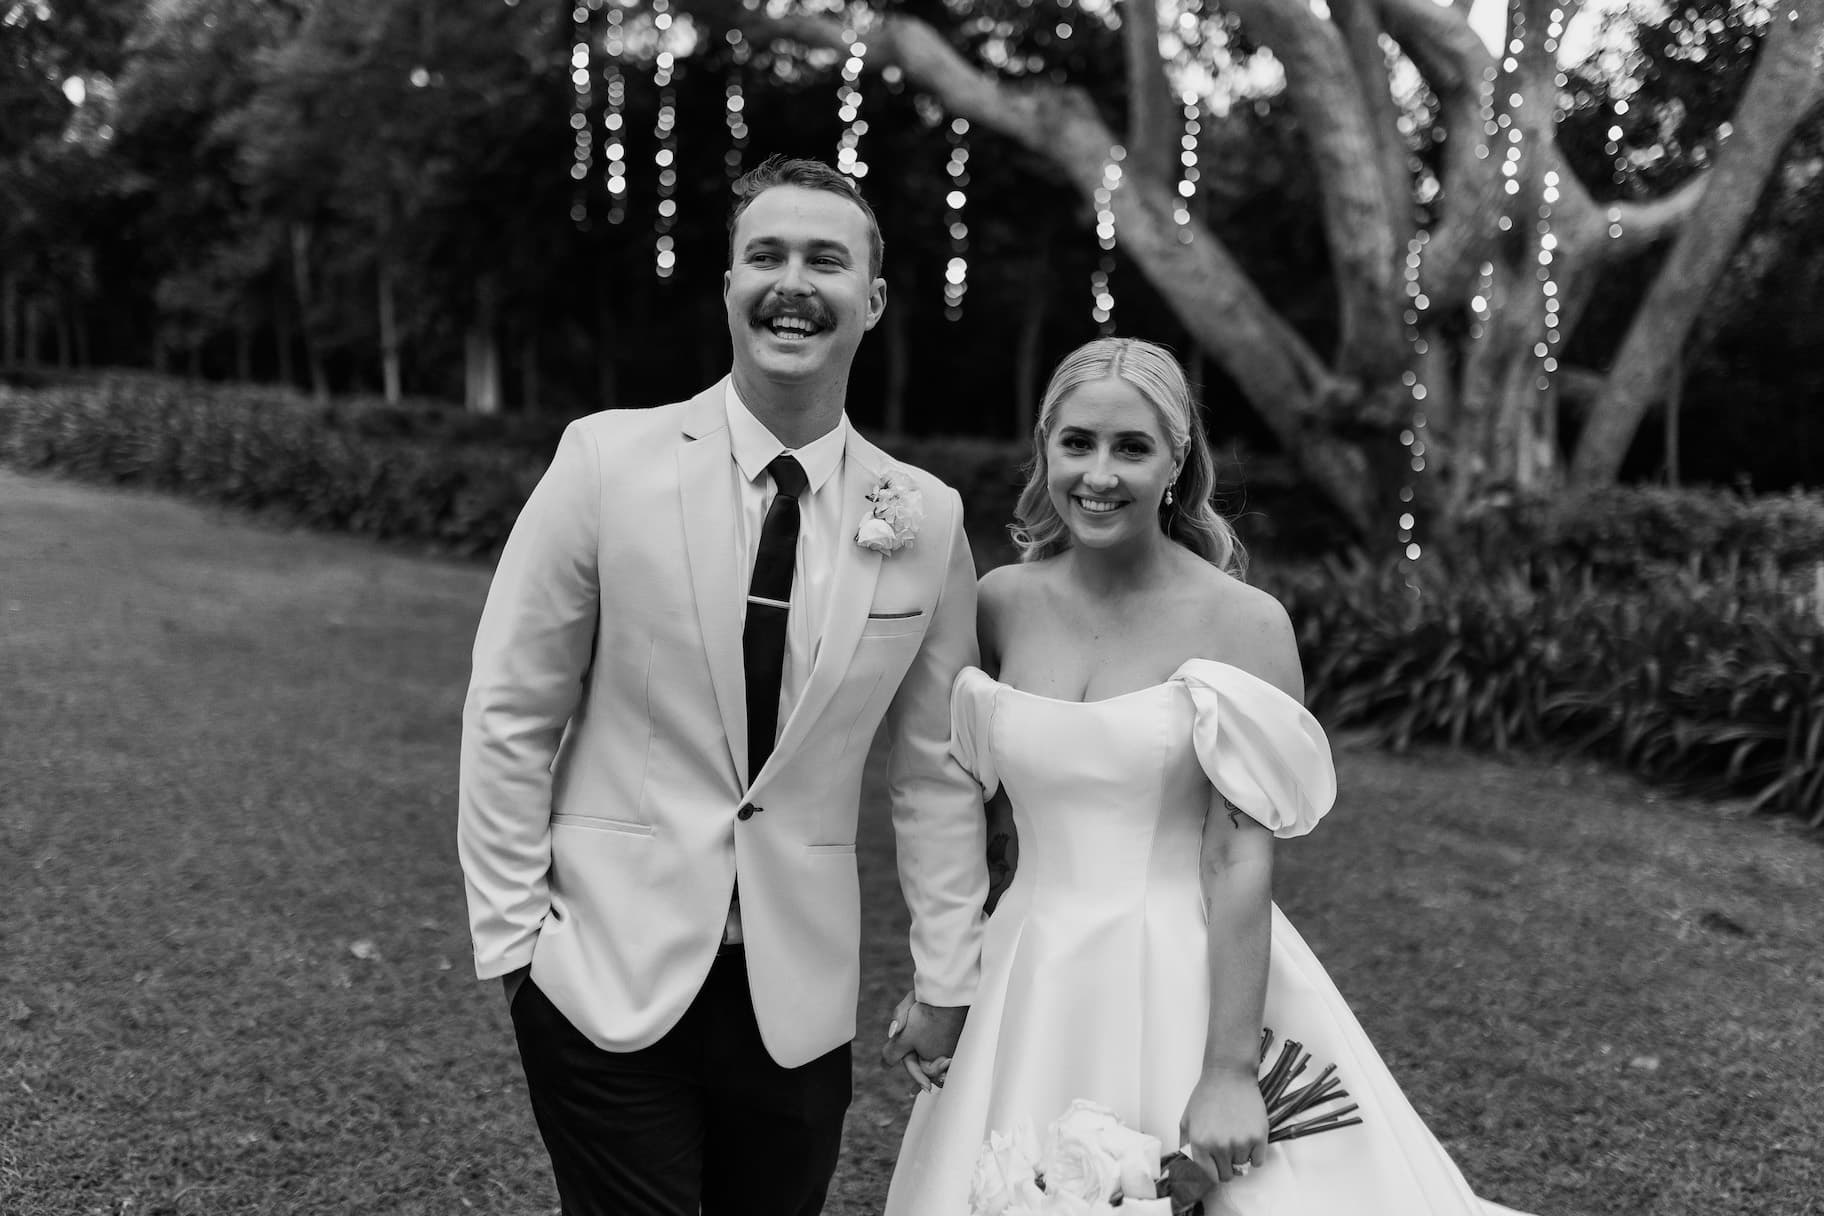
374, 197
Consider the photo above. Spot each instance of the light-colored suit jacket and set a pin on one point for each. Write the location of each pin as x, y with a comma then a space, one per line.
604, 746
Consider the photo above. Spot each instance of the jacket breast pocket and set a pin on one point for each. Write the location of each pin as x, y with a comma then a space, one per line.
893, 624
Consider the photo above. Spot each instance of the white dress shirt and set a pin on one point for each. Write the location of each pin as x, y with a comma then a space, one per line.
820, 519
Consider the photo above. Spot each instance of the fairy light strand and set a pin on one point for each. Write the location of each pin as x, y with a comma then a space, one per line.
1187, 156
665, 130
614, 117
956, 271
582, 152
735, 107
1102, 297
848, 146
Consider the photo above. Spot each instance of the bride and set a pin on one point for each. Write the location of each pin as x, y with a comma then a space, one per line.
1138, 714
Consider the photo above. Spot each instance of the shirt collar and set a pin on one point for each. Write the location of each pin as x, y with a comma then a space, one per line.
754, 446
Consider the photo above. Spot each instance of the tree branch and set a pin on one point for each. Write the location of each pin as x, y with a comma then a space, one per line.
1459, 69
1783, 84
1284, 380
1327, 100
1361, 30
1152, 144
1649, 222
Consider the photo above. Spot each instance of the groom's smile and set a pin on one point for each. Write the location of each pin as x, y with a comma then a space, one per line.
800, 291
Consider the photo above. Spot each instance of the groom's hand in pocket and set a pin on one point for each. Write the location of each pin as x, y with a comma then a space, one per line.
513, 981
922, 1038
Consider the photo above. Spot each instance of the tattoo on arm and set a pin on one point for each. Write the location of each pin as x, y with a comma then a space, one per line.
1233, 811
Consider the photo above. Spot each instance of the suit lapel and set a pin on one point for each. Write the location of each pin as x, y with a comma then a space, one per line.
707, 491
851, 591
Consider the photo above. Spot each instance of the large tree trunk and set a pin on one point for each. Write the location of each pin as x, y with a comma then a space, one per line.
33, 321
481, 351
282, 339
66, 344
85, 352
389, 326
1403, 294
1786, 83
303, 284
1029, 347
243, 347
9, 317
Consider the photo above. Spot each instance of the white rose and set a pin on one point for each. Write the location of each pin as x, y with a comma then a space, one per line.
1003, 1168
1076, 1164
1146, 1207
1137, 1161
1028, 1200
876, 534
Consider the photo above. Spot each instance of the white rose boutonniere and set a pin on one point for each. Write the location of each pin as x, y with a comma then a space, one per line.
898, 511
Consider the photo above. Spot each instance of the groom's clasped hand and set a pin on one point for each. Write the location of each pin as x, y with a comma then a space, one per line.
921, 1039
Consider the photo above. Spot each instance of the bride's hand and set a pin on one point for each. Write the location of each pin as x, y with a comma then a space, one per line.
1225, 1122
915, 1027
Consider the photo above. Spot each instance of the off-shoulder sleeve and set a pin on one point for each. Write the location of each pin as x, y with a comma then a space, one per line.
1261, 749
972, 702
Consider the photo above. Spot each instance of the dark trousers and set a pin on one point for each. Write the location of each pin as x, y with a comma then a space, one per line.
702, 1120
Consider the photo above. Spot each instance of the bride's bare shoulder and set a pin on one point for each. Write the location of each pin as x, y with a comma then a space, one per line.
1248, 628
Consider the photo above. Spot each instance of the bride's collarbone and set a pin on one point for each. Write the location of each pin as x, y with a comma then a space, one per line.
1088, 672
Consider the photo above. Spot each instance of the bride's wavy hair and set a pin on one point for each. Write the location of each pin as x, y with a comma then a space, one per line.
1192, 520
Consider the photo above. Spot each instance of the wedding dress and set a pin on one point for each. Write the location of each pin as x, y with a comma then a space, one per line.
1094, 978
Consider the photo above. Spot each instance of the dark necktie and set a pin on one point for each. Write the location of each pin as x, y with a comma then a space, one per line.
769, 599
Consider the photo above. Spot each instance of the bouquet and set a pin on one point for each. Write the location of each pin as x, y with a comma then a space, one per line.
1091, 1164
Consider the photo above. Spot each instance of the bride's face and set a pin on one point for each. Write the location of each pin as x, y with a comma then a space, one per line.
1108, 464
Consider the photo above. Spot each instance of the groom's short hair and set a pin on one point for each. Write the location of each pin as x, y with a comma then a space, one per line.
810, 175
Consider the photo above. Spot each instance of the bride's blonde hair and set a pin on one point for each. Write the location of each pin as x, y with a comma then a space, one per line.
1191, 520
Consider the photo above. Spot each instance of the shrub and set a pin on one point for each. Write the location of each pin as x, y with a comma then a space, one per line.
268, 451
1713, 686
1619, 532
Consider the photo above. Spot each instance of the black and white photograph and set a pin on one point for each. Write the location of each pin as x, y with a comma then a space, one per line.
911, 607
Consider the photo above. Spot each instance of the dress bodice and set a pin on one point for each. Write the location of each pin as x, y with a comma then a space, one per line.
1110, 796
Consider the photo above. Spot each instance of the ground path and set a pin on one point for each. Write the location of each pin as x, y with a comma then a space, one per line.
234, 969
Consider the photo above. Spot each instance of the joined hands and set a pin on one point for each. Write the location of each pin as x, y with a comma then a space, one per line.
922, 1038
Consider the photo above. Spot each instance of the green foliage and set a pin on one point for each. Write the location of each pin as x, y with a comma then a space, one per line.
1713, 685
1624, 532
269, 451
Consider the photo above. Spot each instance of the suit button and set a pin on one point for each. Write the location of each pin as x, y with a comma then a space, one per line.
747, 811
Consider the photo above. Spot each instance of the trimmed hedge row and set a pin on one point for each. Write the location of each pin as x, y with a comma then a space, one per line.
1713, 686
1619, 532
266, 452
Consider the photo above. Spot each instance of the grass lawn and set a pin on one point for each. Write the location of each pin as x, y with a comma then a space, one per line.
234, 969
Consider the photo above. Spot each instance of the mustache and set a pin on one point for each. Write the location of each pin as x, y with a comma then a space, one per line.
809, 308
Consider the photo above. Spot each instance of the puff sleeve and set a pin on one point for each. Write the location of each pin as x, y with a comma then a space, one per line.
1260, 748
972, 702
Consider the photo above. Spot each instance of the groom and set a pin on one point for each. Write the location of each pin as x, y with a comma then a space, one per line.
702, 616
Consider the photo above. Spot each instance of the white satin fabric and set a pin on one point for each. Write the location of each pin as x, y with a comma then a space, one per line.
1094, 979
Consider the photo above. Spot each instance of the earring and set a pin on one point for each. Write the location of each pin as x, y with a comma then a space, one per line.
1168, 496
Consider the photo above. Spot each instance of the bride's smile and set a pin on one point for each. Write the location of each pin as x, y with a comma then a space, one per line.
1108, 464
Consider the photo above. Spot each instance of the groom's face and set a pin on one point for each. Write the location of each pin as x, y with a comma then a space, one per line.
798, 288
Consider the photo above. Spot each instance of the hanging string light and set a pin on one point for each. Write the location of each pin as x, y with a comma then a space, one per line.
666, 158
582, 153
614, 119
956, 273
1102, 299
736, 107
1547, 350
1187, 182
848, 147
1066, 21
1413, 436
